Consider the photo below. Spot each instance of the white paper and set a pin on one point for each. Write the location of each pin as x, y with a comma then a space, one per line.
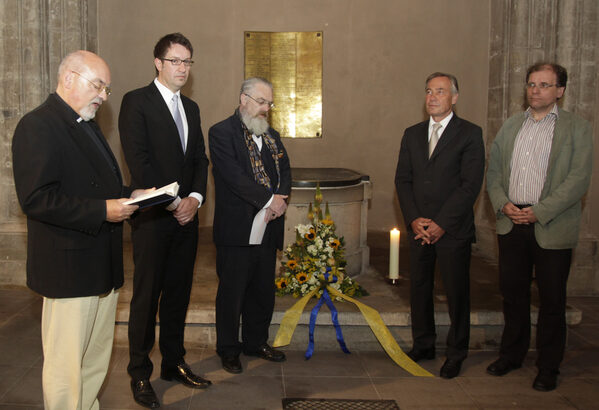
170, 190
258, 228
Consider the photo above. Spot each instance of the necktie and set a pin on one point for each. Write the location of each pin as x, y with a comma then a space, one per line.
178, 120
434, 139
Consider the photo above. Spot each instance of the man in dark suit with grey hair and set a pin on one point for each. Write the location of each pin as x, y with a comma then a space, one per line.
439, 175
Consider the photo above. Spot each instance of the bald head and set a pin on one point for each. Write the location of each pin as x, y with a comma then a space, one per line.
82, 80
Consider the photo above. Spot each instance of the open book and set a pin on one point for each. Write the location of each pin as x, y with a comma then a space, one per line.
164, 194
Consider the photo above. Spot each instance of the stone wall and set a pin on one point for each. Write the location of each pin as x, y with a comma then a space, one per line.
523, 32
35, 36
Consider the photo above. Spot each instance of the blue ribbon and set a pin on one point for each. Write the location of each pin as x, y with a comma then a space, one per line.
325, 298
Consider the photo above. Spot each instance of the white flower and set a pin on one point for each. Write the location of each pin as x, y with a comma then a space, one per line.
304, 229
312, 250
318, 243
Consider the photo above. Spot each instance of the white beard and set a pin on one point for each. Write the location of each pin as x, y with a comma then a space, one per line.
255, 125
89, 111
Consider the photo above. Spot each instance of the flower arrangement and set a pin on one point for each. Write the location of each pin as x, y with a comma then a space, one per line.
316, 258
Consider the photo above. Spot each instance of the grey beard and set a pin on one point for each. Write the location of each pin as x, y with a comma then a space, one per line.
255, 125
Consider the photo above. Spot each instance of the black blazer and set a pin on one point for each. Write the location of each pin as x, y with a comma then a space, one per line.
62, 181
444, 187
153, 149
238, 196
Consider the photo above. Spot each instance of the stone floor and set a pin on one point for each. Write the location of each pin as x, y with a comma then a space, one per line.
364, 374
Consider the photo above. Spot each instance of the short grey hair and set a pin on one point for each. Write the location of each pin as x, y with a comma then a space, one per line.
249, 83
455, 89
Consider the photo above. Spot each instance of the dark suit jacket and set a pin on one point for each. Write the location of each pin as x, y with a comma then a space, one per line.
153, 150
444, 187
62, 181
238, 196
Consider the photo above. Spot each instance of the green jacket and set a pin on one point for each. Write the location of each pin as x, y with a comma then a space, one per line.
568, 176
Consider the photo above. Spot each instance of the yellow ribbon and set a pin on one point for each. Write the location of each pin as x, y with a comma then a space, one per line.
374, 320
290, 319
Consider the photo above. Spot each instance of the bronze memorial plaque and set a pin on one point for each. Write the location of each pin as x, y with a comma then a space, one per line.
292, 62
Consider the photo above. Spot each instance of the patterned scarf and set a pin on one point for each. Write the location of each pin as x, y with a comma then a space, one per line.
260, 174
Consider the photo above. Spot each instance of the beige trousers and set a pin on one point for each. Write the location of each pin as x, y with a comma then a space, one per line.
77, 336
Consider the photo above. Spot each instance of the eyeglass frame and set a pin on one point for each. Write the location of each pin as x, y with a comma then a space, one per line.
105, 88
270, 104
541, 86
178, 61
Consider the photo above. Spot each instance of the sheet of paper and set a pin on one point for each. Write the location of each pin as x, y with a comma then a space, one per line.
258, 228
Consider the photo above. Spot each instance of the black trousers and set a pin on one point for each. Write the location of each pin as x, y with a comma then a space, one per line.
162, 280
454, 263
246, 290
519, 253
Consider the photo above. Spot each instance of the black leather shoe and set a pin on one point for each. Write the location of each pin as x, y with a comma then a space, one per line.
501, 367
231, 363
417, 355
143, 394
268, 353
546, 380
183, 374
451, 368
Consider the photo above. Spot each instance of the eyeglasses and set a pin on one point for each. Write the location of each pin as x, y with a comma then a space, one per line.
262, 101
100, 88
542, 86
178, 61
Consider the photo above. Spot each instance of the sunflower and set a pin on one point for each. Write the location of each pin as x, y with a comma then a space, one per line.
311, 234
335, 243
291, 264
281, 283
301, 277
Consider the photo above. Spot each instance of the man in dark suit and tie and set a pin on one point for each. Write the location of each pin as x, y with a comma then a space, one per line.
252, 179
439, 175
69, 185
163, 142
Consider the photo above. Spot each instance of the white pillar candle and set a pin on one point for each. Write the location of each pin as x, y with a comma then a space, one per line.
394, 254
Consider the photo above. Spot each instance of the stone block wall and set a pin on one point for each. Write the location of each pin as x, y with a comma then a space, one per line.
35, 36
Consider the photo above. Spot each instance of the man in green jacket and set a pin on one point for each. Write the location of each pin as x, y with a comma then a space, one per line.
539, 169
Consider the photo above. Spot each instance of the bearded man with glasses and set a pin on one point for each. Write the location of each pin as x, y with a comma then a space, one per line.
252, 180
539, 169
162, 140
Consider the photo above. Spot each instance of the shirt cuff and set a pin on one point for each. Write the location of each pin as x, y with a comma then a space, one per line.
197, 196
173, 205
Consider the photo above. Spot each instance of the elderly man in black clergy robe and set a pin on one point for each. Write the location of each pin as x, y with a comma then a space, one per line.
251, 177
439, 175
69, 185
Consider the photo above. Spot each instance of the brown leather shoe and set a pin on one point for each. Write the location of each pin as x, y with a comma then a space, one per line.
143, 394
183, 374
